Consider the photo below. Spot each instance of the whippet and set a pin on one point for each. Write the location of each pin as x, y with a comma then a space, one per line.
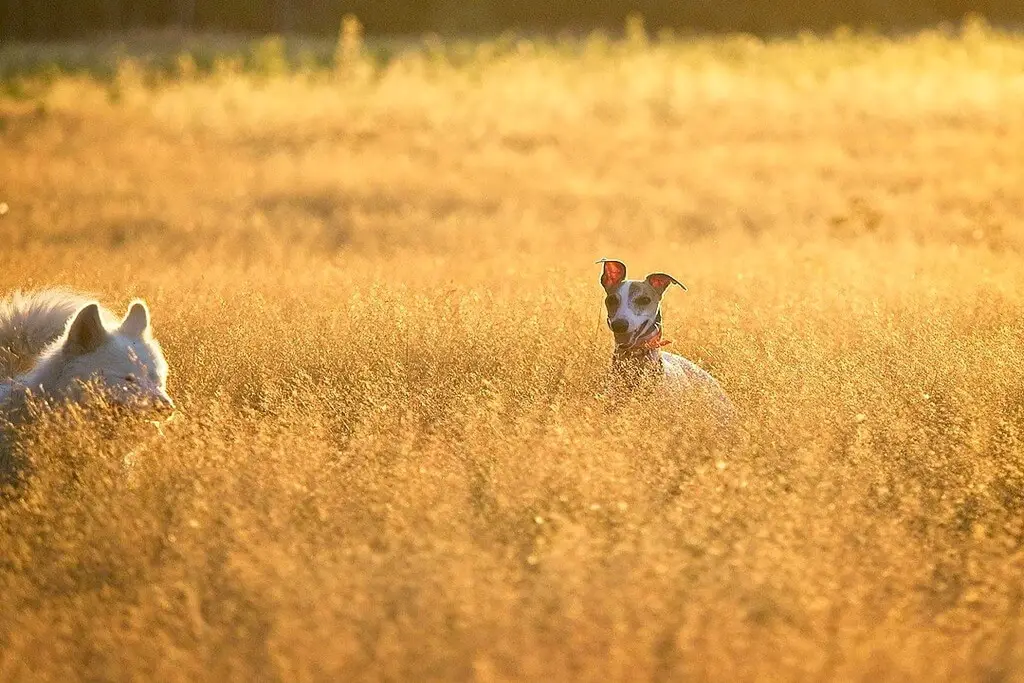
634, 317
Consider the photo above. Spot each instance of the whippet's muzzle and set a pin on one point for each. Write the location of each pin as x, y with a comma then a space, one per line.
638, 338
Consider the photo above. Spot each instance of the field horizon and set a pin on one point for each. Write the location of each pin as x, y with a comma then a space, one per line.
374, 282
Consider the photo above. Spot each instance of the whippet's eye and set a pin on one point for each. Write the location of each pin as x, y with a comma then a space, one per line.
612, 301
130, 379
643, 300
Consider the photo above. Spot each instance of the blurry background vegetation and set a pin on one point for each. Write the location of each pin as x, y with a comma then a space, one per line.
62, 19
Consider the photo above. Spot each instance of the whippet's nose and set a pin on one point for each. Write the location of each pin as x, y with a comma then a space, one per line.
619, 326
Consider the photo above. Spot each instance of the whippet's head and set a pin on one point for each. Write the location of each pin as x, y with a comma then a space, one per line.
634, 306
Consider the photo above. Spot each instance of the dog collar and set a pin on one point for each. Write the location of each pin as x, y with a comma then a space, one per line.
650, 343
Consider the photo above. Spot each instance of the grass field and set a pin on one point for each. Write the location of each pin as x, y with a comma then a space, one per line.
375, 287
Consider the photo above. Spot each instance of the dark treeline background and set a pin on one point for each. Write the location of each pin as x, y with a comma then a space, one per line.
57, 19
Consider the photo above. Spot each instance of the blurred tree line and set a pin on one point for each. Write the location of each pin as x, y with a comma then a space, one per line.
55, 19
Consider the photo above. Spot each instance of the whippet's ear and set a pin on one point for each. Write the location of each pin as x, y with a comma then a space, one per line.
87, 333
661, 282
137, 321
614, 272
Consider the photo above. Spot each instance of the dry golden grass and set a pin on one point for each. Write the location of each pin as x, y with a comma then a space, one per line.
377, 295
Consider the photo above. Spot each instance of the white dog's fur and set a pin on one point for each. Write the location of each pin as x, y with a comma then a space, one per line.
634, 317
55, 343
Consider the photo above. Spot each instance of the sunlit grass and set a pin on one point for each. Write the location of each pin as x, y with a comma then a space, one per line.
374, 282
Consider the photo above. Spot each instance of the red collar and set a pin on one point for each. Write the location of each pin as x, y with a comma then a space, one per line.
647, 344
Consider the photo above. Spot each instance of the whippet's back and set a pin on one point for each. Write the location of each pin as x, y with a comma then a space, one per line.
686, 378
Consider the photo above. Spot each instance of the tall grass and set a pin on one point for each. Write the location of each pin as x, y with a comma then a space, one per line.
392, 461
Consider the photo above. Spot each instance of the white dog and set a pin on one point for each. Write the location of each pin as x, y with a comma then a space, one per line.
634, 317
55, 345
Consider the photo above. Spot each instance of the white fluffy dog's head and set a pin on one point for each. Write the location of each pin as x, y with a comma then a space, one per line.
121, 360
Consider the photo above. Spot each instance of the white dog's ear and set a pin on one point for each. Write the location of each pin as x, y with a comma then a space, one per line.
614, 272
661, 282
137, 321
87, 332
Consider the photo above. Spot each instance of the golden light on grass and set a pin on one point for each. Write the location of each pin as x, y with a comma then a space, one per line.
378, 300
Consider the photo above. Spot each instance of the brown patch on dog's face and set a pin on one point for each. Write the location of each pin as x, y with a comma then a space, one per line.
643, 299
